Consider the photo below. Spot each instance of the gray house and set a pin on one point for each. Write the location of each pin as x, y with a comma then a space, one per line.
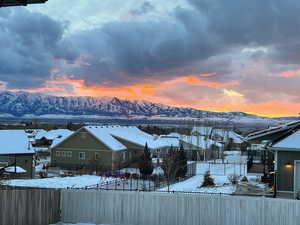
16, 154
287, 163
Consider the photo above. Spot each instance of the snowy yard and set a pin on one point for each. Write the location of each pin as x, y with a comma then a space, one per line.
235, 164
61, 182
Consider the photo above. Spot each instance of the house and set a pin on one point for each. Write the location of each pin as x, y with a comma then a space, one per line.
287, 163
229, 138
103, 147
16, 154
42, 140
200, 147
273, 133
259, 141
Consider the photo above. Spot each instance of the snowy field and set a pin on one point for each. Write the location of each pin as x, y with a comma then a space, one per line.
61, 182
235, 165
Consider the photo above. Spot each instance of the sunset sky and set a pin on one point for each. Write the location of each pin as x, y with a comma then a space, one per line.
207, 54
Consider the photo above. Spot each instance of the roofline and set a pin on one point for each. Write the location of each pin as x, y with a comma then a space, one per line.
102, 141
285, 149
29, 153
64, 139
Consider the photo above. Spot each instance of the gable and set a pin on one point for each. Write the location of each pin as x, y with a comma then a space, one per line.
82, 139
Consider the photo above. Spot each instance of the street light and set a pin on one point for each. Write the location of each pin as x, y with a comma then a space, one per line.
7, 3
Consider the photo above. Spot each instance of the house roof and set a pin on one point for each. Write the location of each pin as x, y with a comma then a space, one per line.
222, 133
109, 134
103, 134
206, 131
57, 136
14, 142
292, 141
199, 141
280, 131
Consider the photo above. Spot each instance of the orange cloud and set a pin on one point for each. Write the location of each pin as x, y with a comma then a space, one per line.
227, 99
289, 73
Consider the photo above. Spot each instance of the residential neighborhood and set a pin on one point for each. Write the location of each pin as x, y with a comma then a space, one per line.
149, 112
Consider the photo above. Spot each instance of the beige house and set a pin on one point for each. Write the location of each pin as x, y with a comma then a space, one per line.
101, 148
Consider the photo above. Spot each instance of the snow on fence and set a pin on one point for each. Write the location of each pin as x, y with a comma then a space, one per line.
148, 208
29, 206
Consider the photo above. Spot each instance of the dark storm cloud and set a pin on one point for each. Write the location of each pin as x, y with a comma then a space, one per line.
29, 44
251, 22
203, 39
125, 52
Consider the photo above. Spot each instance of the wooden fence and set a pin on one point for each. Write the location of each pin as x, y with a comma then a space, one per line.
150, 208
29, 207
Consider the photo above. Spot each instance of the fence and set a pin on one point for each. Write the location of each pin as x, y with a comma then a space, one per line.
136, 182
148, 208
222, 168
29, 206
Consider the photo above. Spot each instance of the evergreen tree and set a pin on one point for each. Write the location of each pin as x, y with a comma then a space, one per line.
169, 164
145, 162
181, 162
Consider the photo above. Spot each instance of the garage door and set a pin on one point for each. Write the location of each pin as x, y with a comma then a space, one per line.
297, 177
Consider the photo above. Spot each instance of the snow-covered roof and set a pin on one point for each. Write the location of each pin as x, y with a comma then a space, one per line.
103, 135
14, 142
218, 133
53, 134
166, 141
271, 130
199, 141
109, 134
292, 141
205, 131
12, 169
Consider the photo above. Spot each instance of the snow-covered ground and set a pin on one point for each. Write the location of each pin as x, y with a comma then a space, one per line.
61, 182
157, 171
235, 165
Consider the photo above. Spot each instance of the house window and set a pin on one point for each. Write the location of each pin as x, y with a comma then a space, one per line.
57, 154
63, 154
124, 156
97, 155
69, 154
82, 155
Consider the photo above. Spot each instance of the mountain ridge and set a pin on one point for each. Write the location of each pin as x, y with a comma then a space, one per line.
20, 104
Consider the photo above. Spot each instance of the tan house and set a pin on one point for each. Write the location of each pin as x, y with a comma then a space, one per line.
101, 148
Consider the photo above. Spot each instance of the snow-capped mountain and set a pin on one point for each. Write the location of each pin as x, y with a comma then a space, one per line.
22, 104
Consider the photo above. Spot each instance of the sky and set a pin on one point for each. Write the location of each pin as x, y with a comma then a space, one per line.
207, 54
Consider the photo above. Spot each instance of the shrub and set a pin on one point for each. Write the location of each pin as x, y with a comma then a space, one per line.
244, 179
208, 181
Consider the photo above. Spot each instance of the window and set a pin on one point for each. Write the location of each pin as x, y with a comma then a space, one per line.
82, 155
69, 154
123, 156
63, 154
97, 155
57, 154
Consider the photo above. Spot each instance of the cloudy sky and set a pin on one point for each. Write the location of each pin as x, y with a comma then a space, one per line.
207, 54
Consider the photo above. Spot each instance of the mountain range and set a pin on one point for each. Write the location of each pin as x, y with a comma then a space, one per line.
24, 104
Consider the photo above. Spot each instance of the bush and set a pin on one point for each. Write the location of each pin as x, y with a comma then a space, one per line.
208, 181
244, 179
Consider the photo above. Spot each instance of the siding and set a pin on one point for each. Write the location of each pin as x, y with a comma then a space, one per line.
82, 141
286, 175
